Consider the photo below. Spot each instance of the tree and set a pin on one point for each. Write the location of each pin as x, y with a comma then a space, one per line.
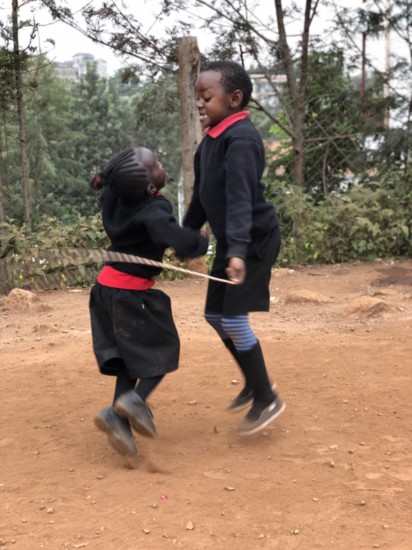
157, 125
239, 33
18, 58
271, 49
385, 20
6, 100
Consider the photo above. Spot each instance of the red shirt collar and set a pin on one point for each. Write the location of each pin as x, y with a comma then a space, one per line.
215, 131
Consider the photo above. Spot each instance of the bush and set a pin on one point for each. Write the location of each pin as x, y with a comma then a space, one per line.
368, 221
57, 255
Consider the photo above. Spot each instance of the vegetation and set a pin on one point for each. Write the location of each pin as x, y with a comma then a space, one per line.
338, 172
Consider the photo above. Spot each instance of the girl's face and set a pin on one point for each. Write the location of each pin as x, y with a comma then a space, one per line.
213, 102
155, 169
158, 175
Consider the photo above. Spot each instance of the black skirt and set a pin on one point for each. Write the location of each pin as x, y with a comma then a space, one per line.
135, 326
253, 294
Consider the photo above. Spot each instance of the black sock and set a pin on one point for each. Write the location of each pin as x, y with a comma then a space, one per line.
123, 382
146, 385
257, 377
228, 342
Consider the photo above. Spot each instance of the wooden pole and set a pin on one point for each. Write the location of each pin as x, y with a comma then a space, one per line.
189, 62
189, 65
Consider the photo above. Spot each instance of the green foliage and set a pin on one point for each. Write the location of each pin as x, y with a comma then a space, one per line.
341, 128
362, 224
157, 126
59, 255
74, 128
365, 223
54, 255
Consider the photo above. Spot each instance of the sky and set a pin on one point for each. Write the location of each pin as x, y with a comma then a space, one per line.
68, 41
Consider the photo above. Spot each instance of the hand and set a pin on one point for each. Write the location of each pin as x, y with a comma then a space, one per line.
205, 231
236, 270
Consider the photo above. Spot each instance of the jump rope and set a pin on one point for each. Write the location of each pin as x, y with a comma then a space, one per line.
111, 256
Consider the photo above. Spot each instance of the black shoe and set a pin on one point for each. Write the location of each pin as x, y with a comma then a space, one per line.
258, 418
131, 406
244, 399
118, 431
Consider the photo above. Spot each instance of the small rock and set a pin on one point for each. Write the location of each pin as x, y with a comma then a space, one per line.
190, 526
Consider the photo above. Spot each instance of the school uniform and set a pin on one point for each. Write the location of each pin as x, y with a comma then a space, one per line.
132, 321
228, 193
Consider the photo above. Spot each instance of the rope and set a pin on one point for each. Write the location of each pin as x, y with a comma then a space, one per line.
111, 256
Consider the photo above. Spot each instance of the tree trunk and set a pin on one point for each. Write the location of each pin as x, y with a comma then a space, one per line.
189, 63
1, 201
20, 109
5, 285
298, 142
297, 89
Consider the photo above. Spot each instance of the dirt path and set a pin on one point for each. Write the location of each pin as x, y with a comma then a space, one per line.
334, 471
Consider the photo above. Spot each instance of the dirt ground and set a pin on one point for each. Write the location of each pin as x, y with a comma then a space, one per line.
334, 471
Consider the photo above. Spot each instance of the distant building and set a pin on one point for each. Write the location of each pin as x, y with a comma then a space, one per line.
263, 91
78, 66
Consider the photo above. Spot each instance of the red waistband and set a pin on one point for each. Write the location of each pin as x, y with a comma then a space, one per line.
117, 279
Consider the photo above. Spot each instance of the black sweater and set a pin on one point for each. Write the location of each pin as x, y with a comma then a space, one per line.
146, 228
228, 192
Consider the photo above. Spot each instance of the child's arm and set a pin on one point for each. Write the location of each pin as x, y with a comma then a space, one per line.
236, 270
195, 216
244, 164
165, 232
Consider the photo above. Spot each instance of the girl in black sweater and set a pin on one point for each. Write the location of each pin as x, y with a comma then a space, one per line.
228, 194
134, 335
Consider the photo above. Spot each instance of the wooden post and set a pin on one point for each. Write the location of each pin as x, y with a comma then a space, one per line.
5, 285
189, 62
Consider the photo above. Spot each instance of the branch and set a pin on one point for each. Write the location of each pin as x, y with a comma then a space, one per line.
271, 117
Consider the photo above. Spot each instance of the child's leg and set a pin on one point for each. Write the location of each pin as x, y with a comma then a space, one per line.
123, 382
108, 421
145, 386
245, 339
215, 321
250, 356
267, 405
132, 406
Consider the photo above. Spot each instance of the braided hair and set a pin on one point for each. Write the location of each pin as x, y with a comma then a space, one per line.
125, 174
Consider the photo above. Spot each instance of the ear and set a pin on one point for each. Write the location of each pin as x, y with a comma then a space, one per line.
236, 99
151, 190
